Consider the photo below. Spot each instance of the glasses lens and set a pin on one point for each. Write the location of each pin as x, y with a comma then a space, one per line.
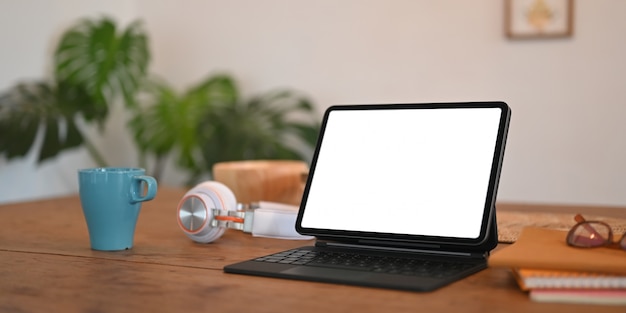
590, 234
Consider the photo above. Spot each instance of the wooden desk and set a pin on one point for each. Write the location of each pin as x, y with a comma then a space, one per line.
46, 265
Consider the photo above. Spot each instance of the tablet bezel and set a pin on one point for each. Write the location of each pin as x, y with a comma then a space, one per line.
485, 240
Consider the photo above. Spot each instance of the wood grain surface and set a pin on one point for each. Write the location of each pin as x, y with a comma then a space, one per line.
46, 265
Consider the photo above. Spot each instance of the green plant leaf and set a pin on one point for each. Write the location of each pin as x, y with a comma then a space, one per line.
269, 126
169, 122
29, 108
92, 55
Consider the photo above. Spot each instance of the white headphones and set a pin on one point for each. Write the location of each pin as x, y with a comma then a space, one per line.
208, 209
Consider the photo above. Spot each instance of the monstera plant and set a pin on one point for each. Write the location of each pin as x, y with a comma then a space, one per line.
95, 65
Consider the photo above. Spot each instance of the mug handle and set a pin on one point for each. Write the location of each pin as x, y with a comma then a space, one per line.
137, 195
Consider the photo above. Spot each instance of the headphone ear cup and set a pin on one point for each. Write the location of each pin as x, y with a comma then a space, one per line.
195, 210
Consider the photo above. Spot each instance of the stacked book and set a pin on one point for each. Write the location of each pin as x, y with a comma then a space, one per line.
551, 271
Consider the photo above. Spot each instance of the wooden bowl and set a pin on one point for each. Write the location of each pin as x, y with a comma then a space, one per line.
263, 180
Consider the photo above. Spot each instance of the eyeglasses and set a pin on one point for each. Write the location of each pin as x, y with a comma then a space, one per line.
592, 234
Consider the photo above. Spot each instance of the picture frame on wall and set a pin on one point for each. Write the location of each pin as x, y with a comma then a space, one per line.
527, 19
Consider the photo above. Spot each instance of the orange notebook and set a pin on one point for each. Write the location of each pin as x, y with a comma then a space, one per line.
542, 248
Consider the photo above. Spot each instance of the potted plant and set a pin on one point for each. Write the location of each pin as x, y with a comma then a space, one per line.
96, 67
210, 123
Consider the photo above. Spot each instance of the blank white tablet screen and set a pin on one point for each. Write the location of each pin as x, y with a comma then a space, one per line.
404, 171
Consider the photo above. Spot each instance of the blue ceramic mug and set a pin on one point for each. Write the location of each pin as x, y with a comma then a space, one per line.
111, 199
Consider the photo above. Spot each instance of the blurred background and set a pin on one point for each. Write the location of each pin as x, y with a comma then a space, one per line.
566, 142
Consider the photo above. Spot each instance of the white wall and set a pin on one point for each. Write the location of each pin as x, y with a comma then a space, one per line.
565, 143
